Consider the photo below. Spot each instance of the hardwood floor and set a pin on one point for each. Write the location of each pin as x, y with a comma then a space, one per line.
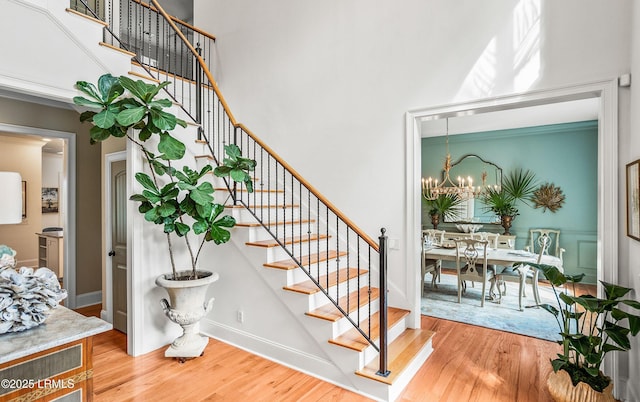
468, 364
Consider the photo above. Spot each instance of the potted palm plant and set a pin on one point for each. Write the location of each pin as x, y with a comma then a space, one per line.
518, 185
181, 201
590, 328
445, 206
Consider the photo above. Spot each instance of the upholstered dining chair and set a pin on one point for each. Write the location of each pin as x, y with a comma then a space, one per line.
523, 274
471, 265
429, 265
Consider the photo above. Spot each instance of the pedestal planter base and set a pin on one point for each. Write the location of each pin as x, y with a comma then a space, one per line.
562, 390
186, 307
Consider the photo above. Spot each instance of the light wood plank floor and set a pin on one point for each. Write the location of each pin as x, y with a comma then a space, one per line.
468, 364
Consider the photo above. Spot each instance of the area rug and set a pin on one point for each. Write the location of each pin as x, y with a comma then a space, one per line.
442, 302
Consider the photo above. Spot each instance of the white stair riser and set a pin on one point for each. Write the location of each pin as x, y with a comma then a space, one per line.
319, 299
258, 233
343, 325
264, 213
297, 249
370, 353
297, 275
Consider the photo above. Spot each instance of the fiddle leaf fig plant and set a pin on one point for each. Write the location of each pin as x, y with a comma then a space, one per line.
179, 200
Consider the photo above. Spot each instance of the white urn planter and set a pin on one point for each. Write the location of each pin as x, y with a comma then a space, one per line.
186, 307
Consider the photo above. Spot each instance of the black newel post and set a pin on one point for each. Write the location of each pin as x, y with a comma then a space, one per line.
383, 304
198, 93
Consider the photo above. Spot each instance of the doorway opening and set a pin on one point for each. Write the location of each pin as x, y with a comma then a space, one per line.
605, 92
58, 158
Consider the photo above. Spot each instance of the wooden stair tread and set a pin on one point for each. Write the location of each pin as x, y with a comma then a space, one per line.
89, 17
353, 339
117, 49
144, 77
269, 224
309, 288
329, 312
400, 354
289, 240
306, 260
209, 157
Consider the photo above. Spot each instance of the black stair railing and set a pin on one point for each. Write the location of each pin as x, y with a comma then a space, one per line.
139, 28
336, 255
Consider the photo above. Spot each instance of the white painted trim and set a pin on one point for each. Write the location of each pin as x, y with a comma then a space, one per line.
69, 223
608, 225
88, 299
107, 313
135, 293
275, 352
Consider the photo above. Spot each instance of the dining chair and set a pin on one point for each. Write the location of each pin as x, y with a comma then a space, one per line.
492, 238
471, 265
430, 265
523, 274
552, 237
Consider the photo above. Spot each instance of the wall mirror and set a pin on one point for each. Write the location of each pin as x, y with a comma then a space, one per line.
482, 173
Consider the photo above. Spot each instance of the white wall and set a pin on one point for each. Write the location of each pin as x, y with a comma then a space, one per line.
336, 77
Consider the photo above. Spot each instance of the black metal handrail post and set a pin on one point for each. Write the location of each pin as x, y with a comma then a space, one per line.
383, 305
198, 93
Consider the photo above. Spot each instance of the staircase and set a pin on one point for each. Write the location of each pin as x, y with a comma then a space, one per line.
323, 267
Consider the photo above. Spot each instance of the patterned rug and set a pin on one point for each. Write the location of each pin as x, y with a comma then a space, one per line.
442, 302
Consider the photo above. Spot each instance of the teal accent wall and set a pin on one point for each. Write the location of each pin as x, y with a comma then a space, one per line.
563, 154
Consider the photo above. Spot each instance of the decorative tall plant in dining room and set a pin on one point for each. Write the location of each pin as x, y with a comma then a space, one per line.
519, 185
445, 206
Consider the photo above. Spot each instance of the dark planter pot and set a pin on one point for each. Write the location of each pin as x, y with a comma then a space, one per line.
505, 221
435, 220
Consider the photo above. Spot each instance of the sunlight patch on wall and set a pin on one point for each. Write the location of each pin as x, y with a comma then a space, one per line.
482, 78
526, 44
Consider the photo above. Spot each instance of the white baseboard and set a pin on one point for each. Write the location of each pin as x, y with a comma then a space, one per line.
312, 365
88, 299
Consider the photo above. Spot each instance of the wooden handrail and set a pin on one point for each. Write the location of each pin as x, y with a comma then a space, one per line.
176, 20
312, 189
277, 157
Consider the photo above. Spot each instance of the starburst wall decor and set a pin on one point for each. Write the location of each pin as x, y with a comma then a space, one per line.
548, 196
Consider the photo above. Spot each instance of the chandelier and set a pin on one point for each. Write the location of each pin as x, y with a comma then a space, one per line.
463, 189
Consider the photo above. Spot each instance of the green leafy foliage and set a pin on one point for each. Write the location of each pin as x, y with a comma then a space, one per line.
518, 185
236, 167
590, 327
445, 205
181, 201
115, 116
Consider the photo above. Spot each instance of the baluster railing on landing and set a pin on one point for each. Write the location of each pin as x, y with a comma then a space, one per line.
337, 256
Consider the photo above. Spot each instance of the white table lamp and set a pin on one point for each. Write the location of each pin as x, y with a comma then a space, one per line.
10, 198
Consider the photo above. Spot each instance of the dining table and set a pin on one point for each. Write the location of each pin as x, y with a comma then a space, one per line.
495, 256
499, 257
